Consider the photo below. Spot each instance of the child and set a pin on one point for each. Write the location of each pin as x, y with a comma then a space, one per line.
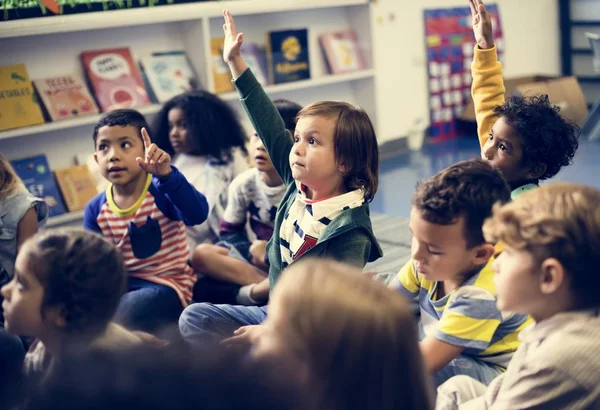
64, 292
330, 168
254, 197
547, 270
450, 274
346, 338
143, 213
526, 138
208, 145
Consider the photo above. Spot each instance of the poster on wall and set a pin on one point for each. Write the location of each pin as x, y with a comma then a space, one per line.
449, 48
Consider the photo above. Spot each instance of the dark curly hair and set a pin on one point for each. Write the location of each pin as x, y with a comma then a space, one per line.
547, 137
212, 125
468, 188
82, 274
122, 118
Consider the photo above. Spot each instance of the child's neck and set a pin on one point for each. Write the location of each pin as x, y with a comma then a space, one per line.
270, 178
126, 195
322, 193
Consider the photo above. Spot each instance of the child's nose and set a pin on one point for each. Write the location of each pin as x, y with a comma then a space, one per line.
6, 290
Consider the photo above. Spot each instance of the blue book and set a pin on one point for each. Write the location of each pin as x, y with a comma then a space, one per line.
168, 74
288, 56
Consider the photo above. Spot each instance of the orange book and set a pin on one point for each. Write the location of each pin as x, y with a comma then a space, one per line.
65, 96
76, 185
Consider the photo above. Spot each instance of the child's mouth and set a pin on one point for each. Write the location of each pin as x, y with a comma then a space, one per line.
115, 169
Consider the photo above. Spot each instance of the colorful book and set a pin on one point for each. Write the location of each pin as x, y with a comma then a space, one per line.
287, 52
76, 185
256, 58
169, 74
39, 181
342, 51
114, 78
65, 96
19, 106
221, 73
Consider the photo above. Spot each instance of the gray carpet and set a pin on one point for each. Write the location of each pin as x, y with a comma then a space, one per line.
394, 238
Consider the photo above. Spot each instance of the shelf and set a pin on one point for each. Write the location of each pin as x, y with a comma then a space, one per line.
588, 79
585, 23
310, 83
582, 51
66, 124
158, 14
64, 219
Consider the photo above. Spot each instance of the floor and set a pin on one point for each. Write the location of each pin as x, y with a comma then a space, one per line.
398, 176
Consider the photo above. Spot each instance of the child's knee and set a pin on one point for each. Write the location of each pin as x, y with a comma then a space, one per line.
201, 254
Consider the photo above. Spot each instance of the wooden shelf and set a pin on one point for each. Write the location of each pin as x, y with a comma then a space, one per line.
158, 14
64, 219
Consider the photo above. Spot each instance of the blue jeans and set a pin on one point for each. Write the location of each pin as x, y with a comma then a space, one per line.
148, 306
203, 323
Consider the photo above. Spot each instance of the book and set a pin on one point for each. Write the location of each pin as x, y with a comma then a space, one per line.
342, 51
114, 78
256, 58
76, 185
221, 73
287, 52
65, 96
39, 181
19, 106
169, 74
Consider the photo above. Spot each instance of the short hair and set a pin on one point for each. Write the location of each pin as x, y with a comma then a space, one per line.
546, 136
81, 273
558, 220
466, 189
122, 118
289, 112
213, 126
355, 143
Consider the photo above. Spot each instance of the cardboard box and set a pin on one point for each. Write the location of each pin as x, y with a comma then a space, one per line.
563, 91
76, 185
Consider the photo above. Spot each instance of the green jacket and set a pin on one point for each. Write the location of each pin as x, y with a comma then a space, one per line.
349, 237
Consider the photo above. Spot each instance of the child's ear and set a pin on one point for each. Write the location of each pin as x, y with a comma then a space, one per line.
55, 316
483, 253
536, 171
342, 167
96, 157
552, 276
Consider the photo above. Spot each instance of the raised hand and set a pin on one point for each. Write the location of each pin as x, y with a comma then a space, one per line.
233, 39
156, 162
482, 24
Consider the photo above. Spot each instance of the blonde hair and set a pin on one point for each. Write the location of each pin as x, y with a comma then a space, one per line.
560, 221
359, 337
9, 180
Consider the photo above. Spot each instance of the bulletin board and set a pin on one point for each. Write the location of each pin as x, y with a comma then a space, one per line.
449, 48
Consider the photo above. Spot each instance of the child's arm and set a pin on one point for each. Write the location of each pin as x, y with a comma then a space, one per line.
406, 281
488, 86
27, 227
258, 106
437, 354
352, 249
233, 224
90, 214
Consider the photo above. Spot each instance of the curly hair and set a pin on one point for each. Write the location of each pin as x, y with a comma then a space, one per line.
81, 273
122, 118
212, 124
468, 189
558, 220
547, 137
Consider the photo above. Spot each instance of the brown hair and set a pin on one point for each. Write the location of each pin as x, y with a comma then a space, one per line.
81, 273
360, 338
9, 181
355, 143
560, 221
466, 189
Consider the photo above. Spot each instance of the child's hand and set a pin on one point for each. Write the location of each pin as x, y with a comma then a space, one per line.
245, 335
257, 250
156, 162
482, 25
233, 39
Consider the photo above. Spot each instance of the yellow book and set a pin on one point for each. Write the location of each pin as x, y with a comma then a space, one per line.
18, 104
221, 73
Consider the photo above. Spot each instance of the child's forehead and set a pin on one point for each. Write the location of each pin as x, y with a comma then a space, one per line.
435, 233
316, 123
116, 132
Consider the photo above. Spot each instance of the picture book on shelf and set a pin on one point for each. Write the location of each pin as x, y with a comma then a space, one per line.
19, 106
256, 58
168, 74
39, 181
287, 52
65, 96
114, 78
76, 185
342, 51
221, 73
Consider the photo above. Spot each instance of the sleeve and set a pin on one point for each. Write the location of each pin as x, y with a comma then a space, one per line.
179, 200
90, 214
354, 250
487, 90
470, 319
407, 282
233, 224
267, 122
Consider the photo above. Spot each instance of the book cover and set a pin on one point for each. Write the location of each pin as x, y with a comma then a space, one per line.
221, 73
19, 106
38, 179
65, 96
342, 51
114, 78
169, 74
287, 51
256, 58
76, 185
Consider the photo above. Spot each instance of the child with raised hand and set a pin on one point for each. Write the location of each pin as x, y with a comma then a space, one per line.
330, 167
144, 212
548, 271
450, 274
208, 145
526, 138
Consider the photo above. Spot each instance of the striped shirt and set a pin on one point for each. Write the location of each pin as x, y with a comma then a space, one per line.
466, 317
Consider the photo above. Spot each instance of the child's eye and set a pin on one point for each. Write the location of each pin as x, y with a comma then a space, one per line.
502, 147
437, 253
126, 145
102, 147
312, 141
296, 139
